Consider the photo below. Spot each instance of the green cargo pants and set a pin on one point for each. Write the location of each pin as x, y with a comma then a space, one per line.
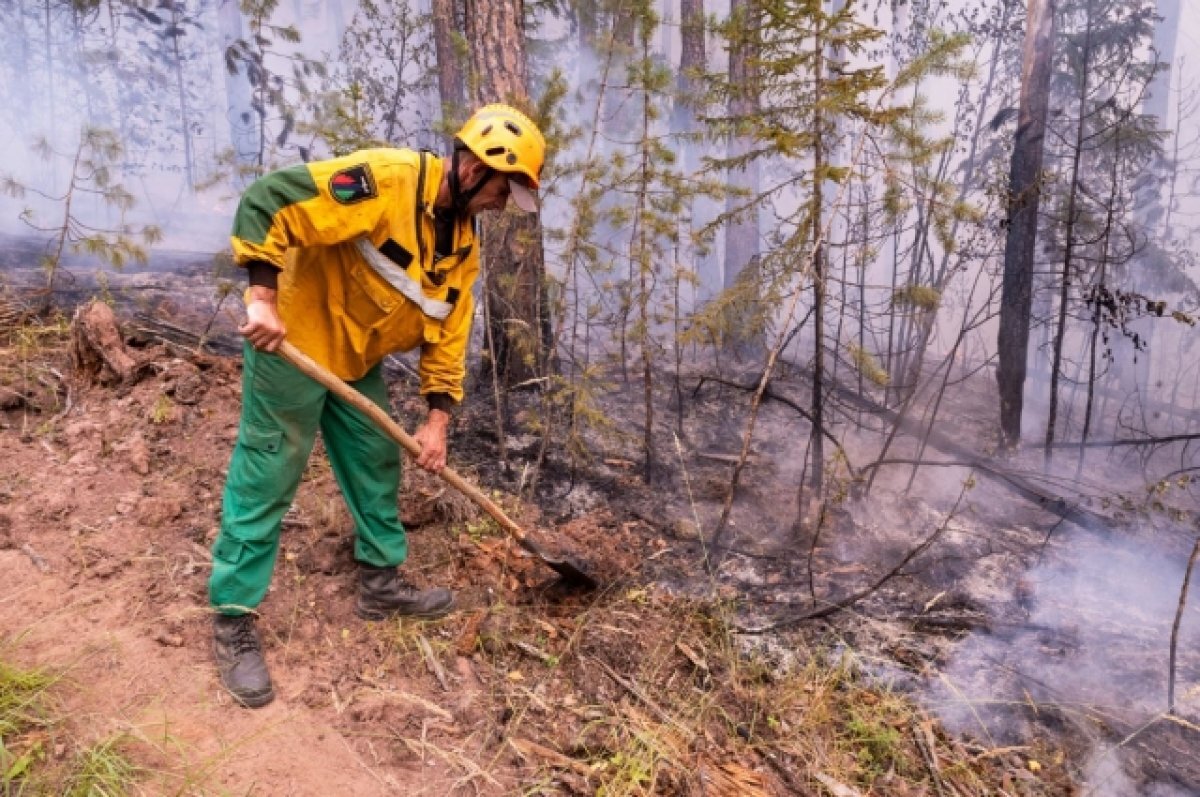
282, 409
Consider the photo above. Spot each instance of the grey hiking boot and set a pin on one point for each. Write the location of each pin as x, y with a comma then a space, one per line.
238, 650
383, 593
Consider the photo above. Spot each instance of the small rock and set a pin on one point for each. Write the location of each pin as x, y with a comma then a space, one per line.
686, 529
157, 512
108, 568
80, 432
169, 639
139, 454
126, 503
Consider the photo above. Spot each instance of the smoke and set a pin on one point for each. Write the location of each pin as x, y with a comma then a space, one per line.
1084, 643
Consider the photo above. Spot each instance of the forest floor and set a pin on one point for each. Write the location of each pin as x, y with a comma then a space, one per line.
110, 499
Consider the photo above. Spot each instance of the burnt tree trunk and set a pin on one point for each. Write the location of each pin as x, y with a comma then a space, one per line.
513, 258
817, 443
1024, 192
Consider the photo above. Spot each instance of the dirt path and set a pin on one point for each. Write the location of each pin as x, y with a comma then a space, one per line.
105, 564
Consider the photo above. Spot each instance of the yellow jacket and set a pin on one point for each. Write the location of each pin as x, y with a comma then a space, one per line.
305, 220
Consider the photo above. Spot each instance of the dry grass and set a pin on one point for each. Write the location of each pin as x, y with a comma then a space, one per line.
41, 753
645, 693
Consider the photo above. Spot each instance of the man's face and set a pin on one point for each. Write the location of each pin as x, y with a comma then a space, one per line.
494, 193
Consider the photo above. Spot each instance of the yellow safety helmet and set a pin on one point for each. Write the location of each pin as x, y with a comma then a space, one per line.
508, 141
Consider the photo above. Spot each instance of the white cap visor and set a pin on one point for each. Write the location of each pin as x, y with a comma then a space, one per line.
522, 195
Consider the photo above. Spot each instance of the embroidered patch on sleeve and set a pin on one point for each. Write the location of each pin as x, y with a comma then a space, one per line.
352, 185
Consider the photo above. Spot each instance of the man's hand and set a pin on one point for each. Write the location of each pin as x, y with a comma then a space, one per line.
432, 437
263, 328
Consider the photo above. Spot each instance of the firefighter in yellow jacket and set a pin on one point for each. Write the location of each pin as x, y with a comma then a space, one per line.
352, 259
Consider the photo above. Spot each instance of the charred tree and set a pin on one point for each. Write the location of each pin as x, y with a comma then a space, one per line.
1024, 192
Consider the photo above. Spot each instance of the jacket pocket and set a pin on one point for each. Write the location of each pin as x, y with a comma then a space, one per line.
366, 303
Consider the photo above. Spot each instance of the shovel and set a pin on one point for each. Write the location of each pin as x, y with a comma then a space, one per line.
572, 575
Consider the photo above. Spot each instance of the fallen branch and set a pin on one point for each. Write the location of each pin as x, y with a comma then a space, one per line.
967, 458
529, 749
645, 700
1187, 577
1060, 506
771, 394
1140, 441
850, 600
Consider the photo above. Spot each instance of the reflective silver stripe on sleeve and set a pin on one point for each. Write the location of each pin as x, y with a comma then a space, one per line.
398, 278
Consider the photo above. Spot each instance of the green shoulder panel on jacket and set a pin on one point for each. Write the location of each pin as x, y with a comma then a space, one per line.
269, 195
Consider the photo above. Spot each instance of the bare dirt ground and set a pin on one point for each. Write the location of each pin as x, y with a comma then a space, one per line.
109, 500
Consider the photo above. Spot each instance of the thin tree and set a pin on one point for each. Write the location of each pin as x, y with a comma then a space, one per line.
1024, 193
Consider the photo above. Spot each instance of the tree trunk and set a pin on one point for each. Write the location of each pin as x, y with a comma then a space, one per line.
741, 234
185, 116
512, 253
1166, 34
816, 441
243, 133
1023, 197
451, 86
1064, 295
643, 259
688, 90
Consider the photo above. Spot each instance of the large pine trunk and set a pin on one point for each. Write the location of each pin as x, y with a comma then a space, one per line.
451, 86
1024, 193
513, 258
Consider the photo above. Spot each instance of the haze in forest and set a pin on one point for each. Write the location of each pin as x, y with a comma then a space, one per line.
828, 230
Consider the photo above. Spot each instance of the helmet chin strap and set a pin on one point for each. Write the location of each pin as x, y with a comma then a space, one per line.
459, 197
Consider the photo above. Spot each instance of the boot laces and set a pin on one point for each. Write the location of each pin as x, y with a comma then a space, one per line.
405, 588
244, 639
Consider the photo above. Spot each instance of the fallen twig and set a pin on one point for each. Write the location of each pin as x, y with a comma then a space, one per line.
528, 749
645, 700
1187, 577
768, 393
832, 608
38, 560
431, 661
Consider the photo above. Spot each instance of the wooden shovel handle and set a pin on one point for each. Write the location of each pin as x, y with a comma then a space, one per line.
311, 369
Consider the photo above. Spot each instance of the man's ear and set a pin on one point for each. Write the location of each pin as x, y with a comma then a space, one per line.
474, 169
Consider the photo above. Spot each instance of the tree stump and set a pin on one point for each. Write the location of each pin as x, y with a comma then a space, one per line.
98, 352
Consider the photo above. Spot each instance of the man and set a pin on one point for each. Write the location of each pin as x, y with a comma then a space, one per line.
352, 259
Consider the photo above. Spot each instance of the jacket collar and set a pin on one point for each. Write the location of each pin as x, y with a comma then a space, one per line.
434, 167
